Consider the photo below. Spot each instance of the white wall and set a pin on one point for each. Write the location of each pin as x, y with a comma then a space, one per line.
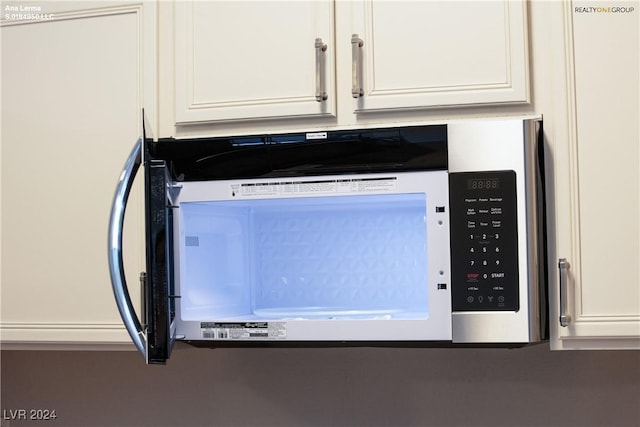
530, 386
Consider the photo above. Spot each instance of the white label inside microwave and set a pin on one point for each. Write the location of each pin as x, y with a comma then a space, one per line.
316, 186
243, 330
316, 135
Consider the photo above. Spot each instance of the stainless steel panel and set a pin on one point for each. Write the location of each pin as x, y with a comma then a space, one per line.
509, 144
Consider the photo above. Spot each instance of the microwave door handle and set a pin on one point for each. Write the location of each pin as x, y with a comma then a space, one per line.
116, 268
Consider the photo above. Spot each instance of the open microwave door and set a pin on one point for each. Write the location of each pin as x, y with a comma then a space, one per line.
159, 289
155, 335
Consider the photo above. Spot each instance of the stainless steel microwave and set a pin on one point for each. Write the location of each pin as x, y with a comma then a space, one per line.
421, 235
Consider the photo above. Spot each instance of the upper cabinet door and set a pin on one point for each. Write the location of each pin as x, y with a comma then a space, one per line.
596, 166
237, 60
70, 114
417, 54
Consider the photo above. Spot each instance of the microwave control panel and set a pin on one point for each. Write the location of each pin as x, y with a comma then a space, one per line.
484, 241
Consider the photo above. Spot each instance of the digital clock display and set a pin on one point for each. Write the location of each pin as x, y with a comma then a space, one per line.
483, 184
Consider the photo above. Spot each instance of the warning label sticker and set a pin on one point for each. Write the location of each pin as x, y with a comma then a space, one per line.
317, 186
243, 330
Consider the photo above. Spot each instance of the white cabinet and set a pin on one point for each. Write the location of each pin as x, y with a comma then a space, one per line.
73, 87
248, 60
596, 163
237, 60
439, 53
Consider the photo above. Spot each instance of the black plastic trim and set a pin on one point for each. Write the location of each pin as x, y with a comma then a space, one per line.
543, 261
349, 344
304, 154
159, 262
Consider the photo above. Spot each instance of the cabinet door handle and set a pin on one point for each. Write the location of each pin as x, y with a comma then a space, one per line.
116, 268
321, 48
356, 66
563, 266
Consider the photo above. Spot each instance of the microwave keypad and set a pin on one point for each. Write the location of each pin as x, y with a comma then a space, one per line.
484, 241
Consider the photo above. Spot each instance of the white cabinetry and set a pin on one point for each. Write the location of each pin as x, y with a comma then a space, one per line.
73, 87
596, 177
237, 60
248, 60
439, 53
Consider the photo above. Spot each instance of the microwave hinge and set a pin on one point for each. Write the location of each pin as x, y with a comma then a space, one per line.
143, 295
173, 190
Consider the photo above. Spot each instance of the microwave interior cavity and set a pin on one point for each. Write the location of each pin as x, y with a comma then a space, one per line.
362, 256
